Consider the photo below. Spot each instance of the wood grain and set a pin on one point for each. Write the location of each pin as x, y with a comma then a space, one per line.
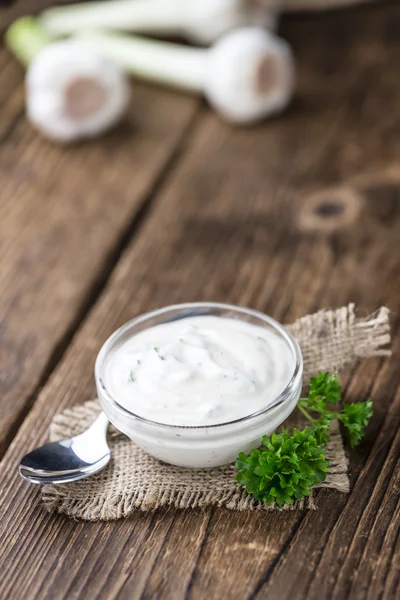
65, 216
225, 225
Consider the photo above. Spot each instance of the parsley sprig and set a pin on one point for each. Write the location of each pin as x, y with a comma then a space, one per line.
287, 466
324, 396
284, 468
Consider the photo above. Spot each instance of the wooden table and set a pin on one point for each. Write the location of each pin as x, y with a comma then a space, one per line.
176, 206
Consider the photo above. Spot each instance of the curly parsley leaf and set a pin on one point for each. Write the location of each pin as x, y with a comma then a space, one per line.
325, 389
355, 417
284, 468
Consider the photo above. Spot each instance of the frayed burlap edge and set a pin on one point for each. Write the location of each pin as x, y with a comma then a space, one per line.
333, 339
135, 481
118, 491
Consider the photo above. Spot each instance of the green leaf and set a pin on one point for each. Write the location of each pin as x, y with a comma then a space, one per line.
284, 468
325, 389
355, 417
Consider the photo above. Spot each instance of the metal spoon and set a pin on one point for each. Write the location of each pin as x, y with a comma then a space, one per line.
69, 460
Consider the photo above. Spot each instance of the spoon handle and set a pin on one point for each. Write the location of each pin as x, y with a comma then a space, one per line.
100, 425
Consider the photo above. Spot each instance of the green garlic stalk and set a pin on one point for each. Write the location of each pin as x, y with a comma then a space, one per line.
201, 21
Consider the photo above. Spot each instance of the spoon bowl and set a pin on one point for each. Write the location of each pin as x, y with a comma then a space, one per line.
69, 460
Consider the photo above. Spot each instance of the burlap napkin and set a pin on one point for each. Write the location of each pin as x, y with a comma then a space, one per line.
134, 480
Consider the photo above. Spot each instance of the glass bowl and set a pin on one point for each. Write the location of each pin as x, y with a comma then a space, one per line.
204, 445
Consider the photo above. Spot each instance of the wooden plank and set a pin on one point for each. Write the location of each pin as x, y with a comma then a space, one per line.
376, 544
11, 95
227, 225
322, 545
65, 215
366, 520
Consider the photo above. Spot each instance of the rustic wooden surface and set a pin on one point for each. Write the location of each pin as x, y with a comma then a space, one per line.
176, 206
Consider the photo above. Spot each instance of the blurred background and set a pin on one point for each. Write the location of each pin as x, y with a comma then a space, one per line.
162, 151
259, 168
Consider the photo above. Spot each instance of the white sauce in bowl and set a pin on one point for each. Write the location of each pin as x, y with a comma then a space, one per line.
201, 370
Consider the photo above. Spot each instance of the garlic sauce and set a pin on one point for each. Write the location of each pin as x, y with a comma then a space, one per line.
202, 370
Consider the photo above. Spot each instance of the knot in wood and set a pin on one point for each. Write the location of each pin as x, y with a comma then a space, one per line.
330, 210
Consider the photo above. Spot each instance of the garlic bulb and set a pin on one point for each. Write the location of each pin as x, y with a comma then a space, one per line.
72, 91
251, 75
